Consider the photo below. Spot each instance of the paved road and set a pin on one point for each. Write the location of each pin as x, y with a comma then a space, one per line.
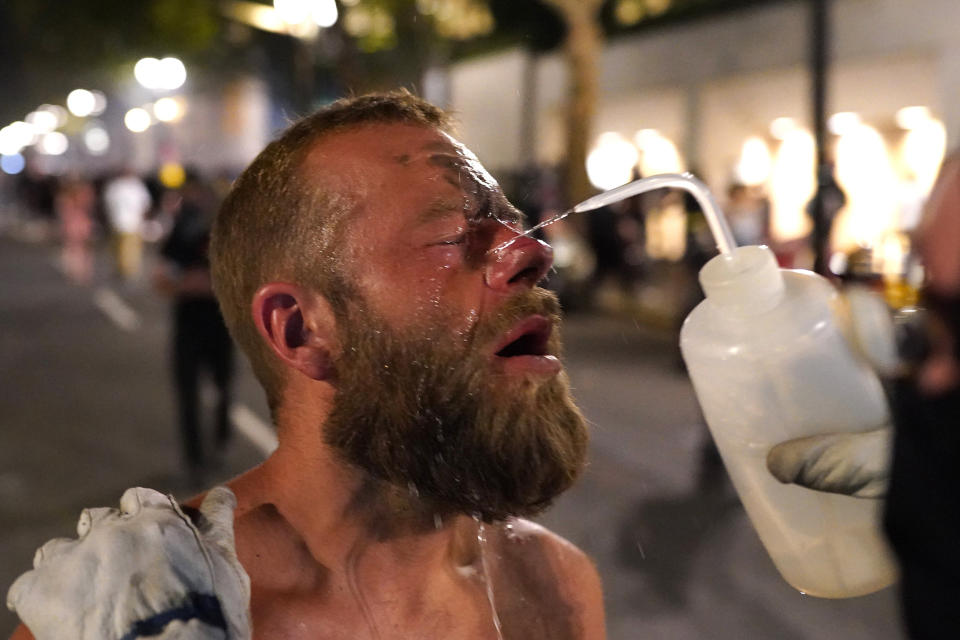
86, 411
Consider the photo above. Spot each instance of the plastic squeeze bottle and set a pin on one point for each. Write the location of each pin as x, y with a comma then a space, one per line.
769, 363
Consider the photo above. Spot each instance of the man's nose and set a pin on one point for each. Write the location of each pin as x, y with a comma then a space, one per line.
522, 263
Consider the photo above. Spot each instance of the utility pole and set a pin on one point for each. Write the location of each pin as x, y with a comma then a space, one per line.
829, 198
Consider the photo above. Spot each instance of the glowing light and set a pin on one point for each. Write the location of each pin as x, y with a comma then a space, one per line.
781, 127
137, 120
168, 109
12, 164
292, 11
755, 162
843, 122
256, 15
865, 172
97, 140
174, 74
172, 175
81, 102
792, 184
324, 13
658, 154
99, 103
611, 162
146, 71
42, 121
166, 74
912, 117
922, 152
15, 136
53, 144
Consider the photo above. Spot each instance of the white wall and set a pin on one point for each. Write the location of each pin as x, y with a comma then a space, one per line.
711, 81
487, 96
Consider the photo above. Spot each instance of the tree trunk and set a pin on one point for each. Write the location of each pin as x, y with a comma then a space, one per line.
583, 46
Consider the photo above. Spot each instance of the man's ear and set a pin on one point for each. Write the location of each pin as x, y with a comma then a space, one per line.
298, 325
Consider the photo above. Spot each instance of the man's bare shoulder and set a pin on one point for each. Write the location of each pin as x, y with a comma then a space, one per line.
557, 570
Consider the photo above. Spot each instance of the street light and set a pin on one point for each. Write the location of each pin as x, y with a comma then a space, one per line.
53, 144
166, 74
298, 14
168, 109
97, 140
81, 102
137, 120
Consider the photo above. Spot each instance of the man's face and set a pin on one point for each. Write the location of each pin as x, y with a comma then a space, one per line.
448, 379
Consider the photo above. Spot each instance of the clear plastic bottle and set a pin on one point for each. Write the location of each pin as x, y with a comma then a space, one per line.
768, 364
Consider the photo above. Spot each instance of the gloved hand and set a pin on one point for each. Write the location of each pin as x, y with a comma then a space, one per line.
854, 464
146, 569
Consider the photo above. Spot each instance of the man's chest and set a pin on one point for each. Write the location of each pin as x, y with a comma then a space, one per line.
354, 616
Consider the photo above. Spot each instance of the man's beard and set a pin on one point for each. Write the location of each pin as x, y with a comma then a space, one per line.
435, 419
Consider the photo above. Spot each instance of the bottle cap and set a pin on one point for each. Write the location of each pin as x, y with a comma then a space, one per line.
747, 280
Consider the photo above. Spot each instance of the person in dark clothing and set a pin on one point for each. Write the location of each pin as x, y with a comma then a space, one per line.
922, 511
200, 338
922, 515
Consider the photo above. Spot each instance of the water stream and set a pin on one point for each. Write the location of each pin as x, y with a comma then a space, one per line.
487, 578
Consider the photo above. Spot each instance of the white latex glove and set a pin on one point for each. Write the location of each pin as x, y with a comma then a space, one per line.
143, 570
854, 464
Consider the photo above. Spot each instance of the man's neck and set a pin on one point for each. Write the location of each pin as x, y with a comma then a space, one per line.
346, 518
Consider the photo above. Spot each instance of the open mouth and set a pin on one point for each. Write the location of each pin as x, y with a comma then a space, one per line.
529, 337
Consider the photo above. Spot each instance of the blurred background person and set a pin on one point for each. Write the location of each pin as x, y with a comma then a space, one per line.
126, 203
74, 205
200, 341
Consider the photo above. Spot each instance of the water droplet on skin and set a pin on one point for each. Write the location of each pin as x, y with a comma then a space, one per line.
412, 488
437, 521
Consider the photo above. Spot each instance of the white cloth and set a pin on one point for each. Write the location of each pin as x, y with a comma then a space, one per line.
127, 201
145, 569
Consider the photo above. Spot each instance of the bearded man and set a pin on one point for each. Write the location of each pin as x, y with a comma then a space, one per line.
364, 263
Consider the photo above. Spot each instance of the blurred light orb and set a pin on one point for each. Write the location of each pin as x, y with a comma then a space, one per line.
610, 163
922, 151
781, 127
146, 71
325, 13
168, 109
58, 111
843, 122
166, 74
755, 163
99, 103
81, 102
12, 164
172, 175
912, 117
658, 153
15, 136
97, 140
173, 73
53, 144
42, 121
137, 120
292, 11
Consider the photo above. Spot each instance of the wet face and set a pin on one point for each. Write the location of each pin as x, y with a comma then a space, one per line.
448, 381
